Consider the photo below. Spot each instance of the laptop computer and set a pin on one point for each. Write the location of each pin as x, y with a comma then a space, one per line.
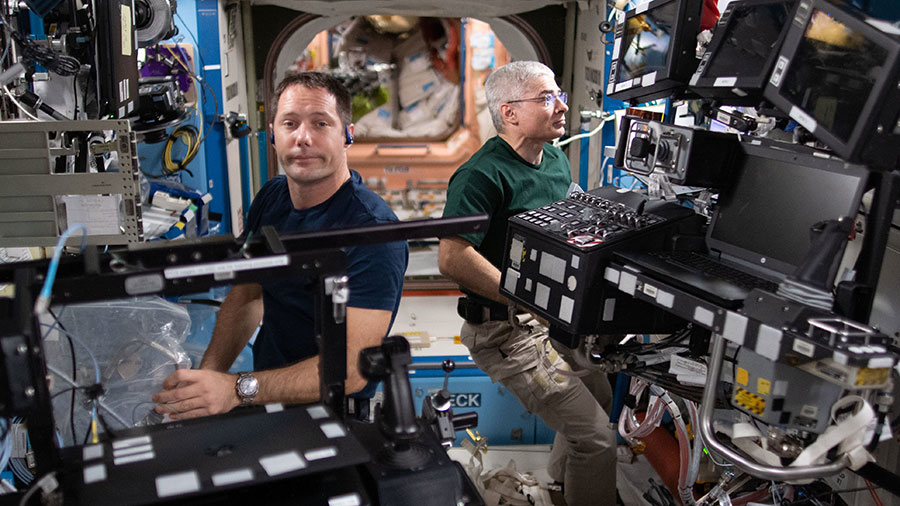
760, 231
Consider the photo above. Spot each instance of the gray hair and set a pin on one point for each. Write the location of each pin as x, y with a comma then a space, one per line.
511, 82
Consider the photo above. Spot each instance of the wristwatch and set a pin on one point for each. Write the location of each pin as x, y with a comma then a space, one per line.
246, 387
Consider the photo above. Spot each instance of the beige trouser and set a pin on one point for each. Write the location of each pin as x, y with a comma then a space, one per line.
584, 454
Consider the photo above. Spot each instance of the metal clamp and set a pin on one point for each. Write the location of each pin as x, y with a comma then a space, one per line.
339, 290
742, 462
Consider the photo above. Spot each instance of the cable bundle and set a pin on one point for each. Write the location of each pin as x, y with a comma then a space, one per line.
191, 138
55, 62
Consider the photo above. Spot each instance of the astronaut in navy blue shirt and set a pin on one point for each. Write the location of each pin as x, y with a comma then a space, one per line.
311, 132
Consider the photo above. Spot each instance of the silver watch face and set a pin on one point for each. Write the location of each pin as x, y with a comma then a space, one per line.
248, 386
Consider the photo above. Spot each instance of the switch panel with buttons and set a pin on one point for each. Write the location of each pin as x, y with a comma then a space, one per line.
557, 255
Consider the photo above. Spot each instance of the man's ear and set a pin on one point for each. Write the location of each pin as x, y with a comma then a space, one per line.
509, 114
348, 133
272, 135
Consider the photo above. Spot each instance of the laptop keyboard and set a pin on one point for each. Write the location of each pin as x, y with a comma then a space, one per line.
712, 268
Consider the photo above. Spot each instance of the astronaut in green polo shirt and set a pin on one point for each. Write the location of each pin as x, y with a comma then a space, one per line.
515, 171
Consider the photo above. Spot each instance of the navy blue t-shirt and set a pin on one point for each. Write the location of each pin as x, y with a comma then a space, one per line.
375, 271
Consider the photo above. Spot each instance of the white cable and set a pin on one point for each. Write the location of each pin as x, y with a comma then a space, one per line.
593, 132
46, 484
18, 104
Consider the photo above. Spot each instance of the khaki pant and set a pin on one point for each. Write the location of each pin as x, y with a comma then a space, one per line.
584, 450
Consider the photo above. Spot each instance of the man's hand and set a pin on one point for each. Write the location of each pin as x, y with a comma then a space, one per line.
190, 393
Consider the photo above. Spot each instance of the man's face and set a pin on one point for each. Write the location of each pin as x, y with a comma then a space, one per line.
309, 135
538, 121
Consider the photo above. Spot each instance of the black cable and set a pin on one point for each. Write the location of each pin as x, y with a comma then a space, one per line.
87, 435
69, 389
57, 63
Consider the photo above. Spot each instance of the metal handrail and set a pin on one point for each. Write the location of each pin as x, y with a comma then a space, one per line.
741, 461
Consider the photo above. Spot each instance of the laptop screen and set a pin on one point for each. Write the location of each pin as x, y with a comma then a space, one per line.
776, 196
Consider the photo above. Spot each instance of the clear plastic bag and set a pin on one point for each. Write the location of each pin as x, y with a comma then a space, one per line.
136, 344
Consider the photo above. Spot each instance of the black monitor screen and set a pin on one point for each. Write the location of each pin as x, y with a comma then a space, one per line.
751, 36
832, 74
646, 42
773, 202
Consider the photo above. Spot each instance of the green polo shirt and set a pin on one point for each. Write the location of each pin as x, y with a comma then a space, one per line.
498, 182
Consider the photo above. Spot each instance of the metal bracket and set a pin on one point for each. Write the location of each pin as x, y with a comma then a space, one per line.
338, 288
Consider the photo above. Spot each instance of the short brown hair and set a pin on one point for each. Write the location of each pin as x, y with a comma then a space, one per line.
314, 80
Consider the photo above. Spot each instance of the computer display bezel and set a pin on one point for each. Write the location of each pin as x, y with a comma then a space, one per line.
681, 60
796, 155
737, 90
875, 140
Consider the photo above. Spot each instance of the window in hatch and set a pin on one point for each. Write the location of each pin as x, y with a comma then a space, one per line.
418, 101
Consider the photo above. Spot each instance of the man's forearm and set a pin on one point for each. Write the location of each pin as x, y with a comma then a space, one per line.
296, 383
236, 321
460, 262
299, 383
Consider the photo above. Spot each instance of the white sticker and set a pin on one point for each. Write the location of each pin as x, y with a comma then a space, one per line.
121, 461
725, 81
552, 267
516, 248
534, 255
274, 407
768, 342
132, 450
321, 453
627, 283
650, 290
642, 7
803, 348
512, 279
333, 430
345, 500
92, 452
611, 275
542, 295
665, 299
616, 47
135, 441
226, 267
880, 363
805, 120
282, 463
649, 79
576, 260
703, 316
566, 306
317, 412
94, 473
177, 484
609, 309
231, 477
623, 86
735, 327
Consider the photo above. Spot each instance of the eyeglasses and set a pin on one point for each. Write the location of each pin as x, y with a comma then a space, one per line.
548, 99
